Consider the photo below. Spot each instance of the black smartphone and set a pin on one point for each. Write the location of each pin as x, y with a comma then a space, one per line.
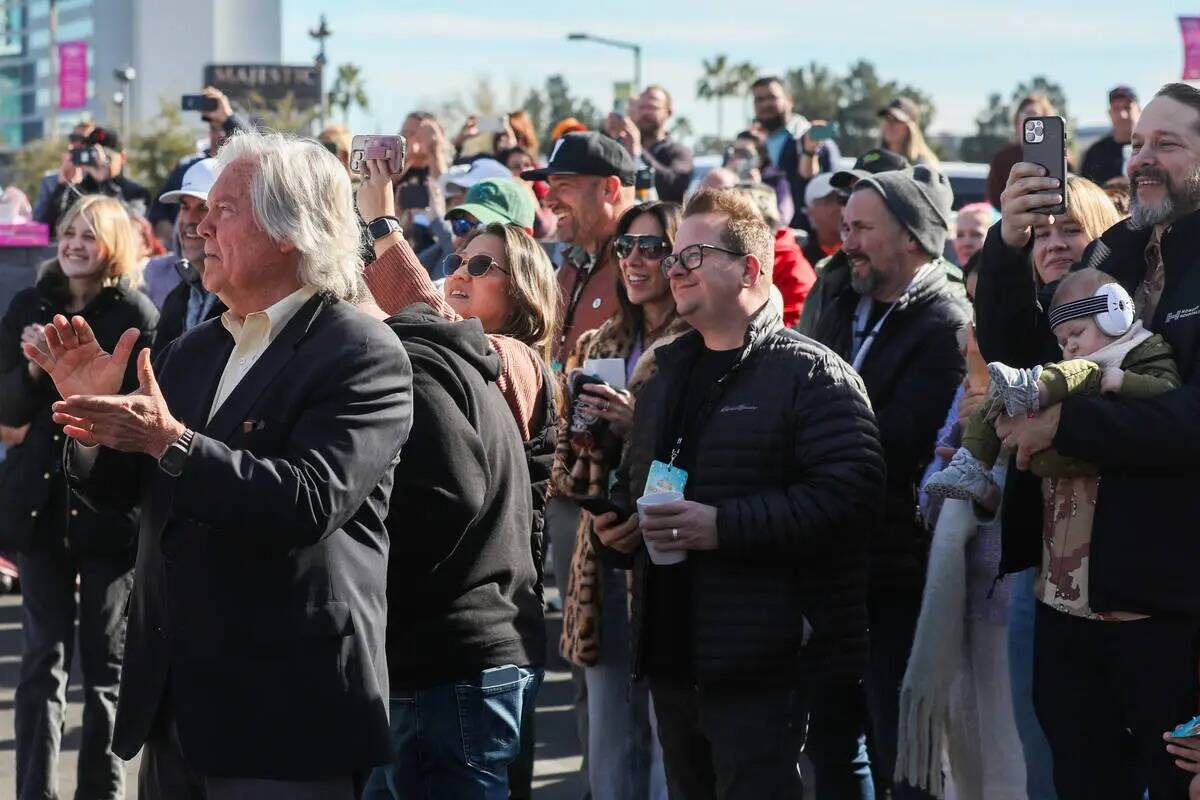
597, 505
414, 195
1044, 142
83, 156
198, 102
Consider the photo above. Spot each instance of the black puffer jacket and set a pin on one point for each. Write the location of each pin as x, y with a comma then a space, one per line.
911, 371
790, 457
1144, 543
32, 483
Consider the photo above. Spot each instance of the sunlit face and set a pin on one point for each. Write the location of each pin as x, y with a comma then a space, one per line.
485, 298
771, 106
1081, 337
825, 214
519, 161
1058, 242
643, 278
874, 243
650, 111
894, 133
578, 202
1164, 169
969, 232
192, 211
80, 254
1124, 113
706, 292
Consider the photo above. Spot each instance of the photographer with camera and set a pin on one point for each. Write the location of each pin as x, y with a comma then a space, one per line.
100, 159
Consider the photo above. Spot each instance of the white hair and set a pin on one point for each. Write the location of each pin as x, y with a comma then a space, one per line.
300, 194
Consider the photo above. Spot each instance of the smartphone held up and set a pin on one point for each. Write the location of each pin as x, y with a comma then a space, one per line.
390, 148
1044, 142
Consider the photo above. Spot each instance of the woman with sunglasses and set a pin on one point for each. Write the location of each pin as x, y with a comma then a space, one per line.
501, 276
623, 753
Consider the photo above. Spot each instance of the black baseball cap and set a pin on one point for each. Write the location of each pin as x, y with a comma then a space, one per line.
869, 163
587, 153
1122, 91
106, 139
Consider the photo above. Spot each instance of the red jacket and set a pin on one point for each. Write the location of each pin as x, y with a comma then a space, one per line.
792, 275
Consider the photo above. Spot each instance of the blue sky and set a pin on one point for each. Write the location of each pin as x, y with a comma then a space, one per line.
415, 54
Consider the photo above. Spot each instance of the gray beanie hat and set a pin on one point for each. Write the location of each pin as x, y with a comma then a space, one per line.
920, 198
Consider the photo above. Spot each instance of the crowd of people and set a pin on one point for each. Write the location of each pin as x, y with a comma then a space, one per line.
844, 491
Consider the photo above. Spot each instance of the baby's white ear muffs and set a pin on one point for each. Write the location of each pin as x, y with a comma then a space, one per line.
1117, 319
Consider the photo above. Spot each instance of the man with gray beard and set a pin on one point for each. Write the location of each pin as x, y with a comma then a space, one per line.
1104, 690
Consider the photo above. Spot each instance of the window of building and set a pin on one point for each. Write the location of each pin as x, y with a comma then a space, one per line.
10, 29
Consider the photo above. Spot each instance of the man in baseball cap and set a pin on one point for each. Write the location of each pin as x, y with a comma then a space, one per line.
188, 303
1106, 159
871, 162
823, 206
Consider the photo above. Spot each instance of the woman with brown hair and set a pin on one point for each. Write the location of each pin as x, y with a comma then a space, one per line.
623, 757
900, 132
64, 546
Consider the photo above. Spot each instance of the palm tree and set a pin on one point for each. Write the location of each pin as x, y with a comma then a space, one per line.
723, 79
740, 78
348, 90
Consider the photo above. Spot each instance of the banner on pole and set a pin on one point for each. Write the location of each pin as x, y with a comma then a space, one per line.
1190, 27
72, 75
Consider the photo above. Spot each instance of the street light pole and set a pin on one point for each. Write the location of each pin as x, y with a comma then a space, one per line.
320, 34
636, 48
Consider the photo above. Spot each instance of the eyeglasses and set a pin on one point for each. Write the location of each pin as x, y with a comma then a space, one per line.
461, 226
477, 266
692, 257
651, 247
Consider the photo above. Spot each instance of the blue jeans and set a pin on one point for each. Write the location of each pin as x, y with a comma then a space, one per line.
455, 741
1039, 765
624, 755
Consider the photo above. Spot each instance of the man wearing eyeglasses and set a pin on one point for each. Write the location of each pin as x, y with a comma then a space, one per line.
770, 439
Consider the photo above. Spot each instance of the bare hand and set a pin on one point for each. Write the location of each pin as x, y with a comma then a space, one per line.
76, 362
223, 111
1186, 752
972, 398
435, 140
34, 335
1111, 380
69, 173
683, 525
608, 403
624, 131
1029, 436
469, 129
624, 537
134, 423
376, 197
1026, 190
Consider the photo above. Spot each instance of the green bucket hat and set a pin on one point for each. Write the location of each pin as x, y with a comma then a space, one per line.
497, 200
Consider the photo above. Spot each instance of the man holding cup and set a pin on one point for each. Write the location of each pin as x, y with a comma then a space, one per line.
750, 581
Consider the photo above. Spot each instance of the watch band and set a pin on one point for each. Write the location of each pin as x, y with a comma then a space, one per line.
382, 226
172, 461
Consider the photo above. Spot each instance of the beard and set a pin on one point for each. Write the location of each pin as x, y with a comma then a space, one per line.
773, 123
1180, 200
866, 285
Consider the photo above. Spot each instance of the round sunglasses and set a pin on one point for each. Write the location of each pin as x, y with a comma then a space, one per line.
651, 247
461, 226
477, 265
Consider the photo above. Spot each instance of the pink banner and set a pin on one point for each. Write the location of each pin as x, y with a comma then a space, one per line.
29, 234
72, 75
1190, 27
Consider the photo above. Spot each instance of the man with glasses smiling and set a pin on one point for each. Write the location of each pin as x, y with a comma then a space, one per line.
771, 441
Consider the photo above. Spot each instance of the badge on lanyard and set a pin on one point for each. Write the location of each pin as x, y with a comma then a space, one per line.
665, 478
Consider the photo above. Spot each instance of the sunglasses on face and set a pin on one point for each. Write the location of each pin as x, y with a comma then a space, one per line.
651, 247
477, 266
692, 257
461, 226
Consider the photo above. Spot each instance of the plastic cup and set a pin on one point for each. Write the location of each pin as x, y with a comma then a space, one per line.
656, 555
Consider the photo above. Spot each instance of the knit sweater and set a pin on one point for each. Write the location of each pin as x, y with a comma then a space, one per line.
397, 280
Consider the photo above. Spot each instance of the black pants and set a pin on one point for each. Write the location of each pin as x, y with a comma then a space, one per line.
49, 611
1105, 692
730, 744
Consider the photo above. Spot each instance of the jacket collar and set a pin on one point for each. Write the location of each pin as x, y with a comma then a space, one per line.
765, 322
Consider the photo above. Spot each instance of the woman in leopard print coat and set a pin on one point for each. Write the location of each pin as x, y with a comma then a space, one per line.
596, 610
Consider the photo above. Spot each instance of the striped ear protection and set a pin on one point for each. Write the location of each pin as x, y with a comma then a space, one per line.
1111, 305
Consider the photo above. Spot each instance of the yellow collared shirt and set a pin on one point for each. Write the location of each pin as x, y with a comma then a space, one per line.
251, 338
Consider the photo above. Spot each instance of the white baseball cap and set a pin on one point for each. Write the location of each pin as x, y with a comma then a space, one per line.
820, 186
196, 182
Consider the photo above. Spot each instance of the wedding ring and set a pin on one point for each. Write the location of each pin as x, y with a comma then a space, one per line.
674, 534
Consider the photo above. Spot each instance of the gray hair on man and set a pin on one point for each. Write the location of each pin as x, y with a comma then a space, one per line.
300, 194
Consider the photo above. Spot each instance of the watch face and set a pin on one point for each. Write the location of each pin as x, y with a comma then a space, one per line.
172, 460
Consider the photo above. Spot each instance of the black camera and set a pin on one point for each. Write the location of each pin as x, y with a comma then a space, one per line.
84, 157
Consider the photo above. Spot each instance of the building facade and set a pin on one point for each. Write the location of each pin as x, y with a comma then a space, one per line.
166, 42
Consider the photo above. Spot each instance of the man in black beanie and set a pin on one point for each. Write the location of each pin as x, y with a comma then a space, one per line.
896, 320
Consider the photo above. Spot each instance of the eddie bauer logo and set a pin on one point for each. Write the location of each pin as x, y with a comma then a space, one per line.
1183, 313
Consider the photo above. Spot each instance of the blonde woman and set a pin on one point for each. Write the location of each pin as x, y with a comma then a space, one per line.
61, 541
900, 132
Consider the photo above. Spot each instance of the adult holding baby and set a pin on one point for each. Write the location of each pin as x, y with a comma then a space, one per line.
771, 440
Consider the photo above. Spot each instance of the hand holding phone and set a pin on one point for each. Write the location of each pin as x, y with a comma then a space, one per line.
199, 102
597, 505
1044, 142
392, 149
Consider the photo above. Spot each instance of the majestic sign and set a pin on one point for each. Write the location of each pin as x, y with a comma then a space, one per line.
72, 75
248, 85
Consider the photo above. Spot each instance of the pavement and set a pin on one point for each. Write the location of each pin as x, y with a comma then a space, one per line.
556, 770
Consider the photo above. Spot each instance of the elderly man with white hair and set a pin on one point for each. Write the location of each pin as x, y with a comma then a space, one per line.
260, 448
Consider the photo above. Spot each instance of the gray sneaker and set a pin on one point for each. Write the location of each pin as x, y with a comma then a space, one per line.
965, 478
1015, 389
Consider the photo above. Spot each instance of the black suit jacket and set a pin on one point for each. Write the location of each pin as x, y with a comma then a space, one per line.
259, 591
172, 317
